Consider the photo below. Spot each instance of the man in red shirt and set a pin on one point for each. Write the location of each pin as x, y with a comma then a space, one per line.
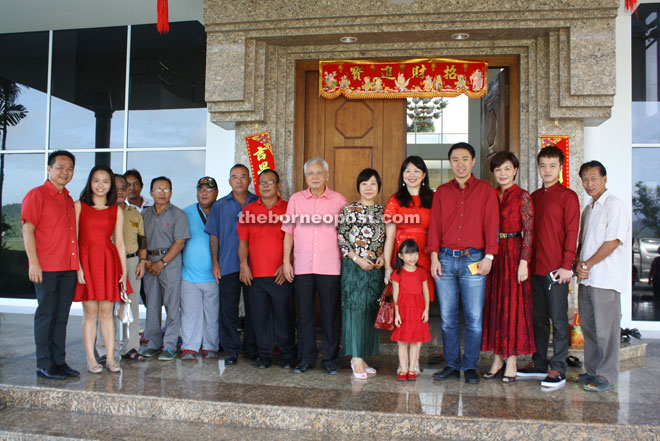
556, 224
462, 242
51, 244
261, 238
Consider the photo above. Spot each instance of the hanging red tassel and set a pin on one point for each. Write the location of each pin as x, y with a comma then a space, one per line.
631, 5
163, 24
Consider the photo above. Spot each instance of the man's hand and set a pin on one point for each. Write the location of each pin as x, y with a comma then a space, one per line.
436, 269
217, 274
35, 273
279, 276
245, 275
484, 266
287, 270
157, 268
582, 270
140, 269
565, 275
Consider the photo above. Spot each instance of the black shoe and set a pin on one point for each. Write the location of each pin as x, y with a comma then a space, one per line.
331, 368
231, 360
471, 376
446, 373
50, 374
554, 379
67, 370
287, 364
532, 371
302, 368
263, 362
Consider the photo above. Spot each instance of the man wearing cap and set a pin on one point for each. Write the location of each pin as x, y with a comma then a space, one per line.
271, 297
167, 231
221, 227
200, 298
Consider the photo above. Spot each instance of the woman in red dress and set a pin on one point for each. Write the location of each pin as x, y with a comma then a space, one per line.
414, 197
102, 273
507, 322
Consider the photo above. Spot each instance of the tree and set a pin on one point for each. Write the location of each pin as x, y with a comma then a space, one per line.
11, 114
646, 204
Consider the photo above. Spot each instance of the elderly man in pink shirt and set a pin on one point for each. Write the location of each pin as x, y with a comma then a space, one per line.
310, 229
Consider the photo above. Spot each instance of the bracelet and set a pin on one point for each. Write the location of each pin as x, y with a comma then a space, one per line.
143, 259
355, 258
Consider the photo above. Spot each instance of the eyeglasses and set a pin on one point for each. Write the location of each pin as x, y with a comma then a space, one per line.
162, 190
205, 190
269, 182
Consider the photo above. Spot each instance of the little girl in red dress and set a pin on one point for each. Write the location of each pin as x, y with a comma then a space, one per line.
410, 291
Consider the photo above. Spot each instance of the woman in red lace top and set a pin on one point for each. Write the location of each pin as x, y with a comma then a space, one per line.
507, 322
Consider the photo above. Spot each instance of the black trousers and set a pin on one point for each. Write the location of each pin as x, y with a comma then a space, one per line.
330, 297
274, 317
54, 297
550, 302
230, 296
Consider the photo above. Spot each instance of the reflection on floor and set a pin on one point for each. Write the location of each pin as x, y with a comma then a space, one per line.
645, 307
264, 401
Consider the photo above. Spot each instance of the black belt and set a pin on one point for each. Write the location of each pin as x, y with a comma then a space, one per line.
510, 235
160, 252
128, 256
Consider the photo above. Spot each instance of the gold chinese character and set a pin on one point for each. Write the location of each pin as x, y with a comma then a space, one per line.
418, 71
356, 71
263, 166
450, 72
386, 72
261, 153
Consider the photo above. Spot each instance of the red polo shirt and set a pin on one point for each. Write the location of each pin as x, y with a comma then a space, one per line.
261, 228
556, 225
463, 218
51, 212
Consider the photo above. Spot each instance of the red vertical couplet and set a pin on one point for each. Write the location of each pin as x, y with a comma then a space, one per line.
631, 5
163, 24
562, 142
260, 152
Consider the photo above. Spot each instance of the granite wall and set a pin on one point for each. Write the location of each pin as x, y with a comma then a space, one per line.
566, 51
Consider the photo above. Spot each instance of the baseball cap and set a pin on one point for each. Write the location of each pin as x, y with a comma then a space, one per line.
207, 180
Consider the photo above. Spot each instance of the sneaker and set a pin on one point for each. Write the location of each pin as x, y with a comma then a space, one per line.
167, 355
598, 384
554, 379
150, 352
188, 354
532, 371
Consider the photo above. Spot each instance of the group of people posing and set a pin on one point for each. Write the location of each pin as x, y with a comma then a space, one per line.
506, 256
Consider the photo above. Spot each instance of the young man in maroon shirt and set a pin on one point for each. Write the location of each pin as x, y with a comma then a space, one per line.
51, 244
462, 232
262, 239
556, 225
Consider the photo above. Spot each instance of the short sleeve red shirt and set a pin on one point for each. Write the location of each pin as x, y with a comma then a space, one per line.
261, 228
51, 212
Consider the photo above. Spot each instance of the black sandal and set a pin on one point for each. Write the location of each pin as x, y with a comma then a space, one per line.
573, 361
508, 380
490, 375
132, 355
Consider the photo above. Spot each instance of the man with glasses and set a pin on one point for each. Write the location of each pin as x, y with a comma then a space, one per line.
200, 299
221, 227
271, 297
167, 231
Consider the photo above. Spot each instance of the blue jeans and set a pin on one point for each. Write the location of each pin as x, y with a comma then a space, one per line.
456, 279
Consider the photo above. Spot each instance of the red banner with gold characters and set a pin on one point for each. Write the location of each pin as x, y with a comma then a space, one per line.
417, 78
561, 141
260, 152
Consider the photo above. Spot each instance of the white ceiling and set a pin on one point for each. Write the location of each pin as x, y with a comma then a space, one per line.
41, 15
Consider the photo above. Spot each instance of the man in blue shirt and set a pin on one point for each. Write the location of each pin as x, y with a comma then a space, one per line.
200, 297
221, 227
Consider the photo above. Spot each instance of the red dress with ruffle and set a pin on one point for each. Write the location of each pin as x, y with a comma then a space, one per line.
507, 319
418, 231
99, 258
411, 306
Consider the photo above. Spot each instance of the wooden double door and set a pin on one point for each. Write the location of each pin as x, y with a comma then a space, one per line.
350, 135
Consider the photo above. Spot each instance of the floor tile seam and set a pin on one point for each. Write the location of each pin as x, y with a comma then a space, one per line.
238, 408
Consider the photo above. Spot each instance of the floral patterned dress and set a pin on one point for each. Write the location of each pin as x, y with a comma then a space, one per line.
361, 230
507, 322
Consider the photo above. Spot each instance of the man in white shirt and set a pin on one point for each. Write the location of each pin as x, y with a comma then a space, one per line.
601, 270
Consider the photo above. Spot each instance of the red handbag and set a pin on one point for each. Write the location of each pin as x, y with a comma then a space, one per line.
385, 316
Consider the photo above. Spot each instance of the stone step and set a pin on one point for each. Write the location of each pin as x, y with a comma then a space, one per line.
94, 415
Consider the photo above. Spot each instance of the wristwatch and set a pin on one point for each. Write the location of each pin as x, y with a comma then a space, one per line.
489, 256
164, 263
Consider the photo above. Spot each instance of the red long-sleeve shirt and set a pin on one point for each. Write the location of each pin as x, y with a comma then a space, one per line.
464, 218
556, 225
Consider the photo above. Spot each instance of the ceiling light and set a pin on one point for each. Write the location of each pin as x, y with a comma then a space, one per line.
460, 36
348, 40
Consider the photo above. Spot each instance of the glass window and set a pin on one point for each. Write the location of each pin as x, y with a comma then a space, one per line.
85, 162
184, 168
440, 172
437, 120
645, 74
646, 233
167, 80
24, 76
88, 82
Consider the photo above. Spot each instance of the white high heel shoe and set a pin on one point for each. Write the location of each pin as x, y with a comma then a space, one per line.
358, 375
